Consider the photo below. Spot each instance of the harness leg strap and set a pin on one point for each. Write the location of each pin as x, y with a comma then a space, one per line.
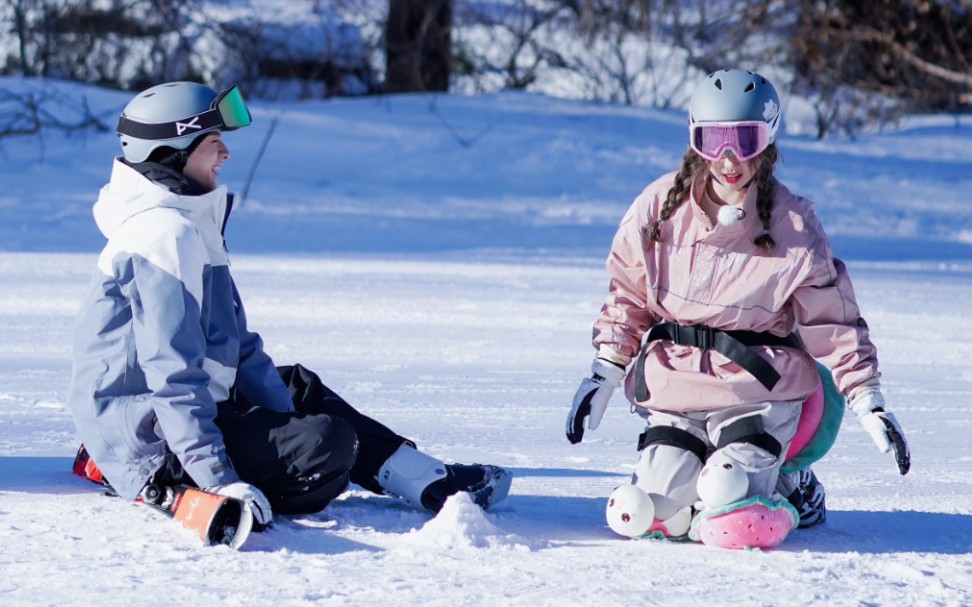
673, 437
750, 430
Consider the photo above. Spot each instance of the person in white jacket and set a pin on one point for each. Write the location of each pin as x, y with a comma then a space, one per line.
170, 386
725, 294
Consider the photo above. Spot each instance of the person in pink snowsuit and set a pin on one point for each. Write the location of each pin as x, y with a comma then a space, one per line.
724, 293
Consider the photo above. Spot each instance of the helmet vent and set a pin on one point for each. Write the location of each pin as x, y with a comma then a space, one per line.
750, 88
718, 83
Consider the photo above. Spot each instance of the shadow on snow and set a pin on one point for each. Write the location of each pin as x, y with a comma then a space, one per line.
557, 518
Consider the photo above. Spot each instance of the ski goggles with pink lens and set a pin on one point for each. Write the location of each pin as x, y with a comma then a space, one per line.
745, 140
227, 112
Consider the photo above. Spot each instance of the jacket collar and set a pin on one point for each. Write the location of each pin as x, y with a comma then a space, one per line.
748, 206
131, 191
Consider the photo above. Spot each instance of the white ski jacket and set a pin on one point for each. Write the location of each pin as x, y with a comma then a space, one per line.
161, 337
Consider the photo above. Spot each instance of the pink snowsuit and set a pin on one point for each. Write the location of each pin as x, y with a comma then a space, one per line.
713, 275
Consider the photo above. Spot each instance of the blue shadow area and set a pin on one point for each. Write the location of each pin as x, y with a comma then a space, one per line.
886, 533
543, 518
564, 473
904, 249
41, 475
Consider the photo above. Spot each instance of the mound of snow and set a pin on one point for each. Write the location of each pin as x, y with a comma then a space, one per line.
461, 524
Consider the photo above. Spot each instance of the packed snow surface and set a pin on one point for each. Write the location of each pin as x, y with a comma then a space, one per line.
439, 260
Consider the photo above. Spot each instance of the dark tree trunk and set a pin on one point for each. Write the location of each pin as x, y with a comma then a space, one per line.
418, 45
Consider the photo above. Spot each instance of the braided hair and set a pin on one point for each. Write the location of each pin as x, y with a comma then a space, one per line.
765, 186
694, 167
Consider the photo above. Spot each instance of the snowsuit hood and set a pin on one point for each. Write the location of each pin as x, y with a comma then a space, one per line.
131, 191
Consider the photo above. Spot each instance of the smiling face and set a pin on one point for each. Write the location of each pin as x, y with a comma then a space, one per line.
205, 161
730, 178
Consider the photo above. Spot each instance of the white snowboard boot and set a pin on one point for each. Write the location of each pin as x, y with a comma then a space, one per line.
426, 482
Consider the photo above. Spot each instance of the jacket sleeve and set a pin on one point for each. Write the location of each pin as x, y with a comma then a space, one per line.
257, 377
625, 317
830, 322
169, 268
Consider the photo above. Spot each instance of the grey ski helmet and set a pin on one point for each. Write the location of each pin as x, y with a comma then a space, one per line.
174, 114
736, 95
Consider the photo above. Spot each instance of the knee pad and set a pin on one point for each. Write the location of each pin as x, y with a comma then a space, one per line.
722, 482
630, 511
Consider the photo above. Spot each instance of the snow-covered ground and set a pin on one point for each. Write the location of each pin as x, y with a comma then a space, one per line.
439, 261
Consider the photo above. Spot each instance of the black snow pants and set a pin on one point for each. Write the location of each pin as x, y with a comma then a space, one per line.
301, 460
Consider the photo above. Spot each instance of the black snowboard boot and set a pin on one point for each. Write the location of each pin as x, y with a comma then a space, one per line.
809, 498
486, 485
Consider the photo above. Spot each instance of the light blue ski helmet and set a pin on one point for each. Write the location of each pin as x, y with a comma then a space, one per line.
175, 114
164, 103
736, 95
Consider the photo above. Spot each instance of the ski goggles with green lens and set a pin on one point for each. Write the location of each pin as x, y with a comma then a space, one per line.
745, 140
226, 113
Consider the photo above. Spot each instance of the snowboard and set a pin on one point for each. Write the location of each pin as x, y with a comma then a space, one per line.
216, 519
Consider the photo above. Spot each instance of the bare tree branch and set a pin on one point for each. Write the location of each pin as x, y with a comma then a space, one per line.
887, 39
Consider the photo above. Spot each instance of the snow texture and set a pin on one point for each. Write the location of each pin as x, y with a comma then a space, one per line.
440, 261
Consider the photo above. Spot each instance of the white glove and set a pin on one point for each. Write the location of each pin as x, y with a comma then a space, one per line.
868, 405
592, 398
252, 498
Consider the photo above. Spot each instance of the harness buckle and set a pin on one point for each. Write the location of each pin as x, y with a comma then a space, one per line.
699, 336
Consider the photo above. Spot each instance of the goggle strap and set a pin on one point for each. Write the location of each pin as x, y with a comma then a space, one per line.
170, 130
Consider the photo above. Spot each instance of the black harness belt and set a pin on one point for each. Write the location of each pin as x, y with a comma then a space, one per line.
734, 345
750, 430
673, 437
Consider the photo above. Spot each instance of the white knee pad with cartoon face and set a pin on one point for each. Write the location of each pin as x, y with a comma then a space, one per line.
722, 482
630, 511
